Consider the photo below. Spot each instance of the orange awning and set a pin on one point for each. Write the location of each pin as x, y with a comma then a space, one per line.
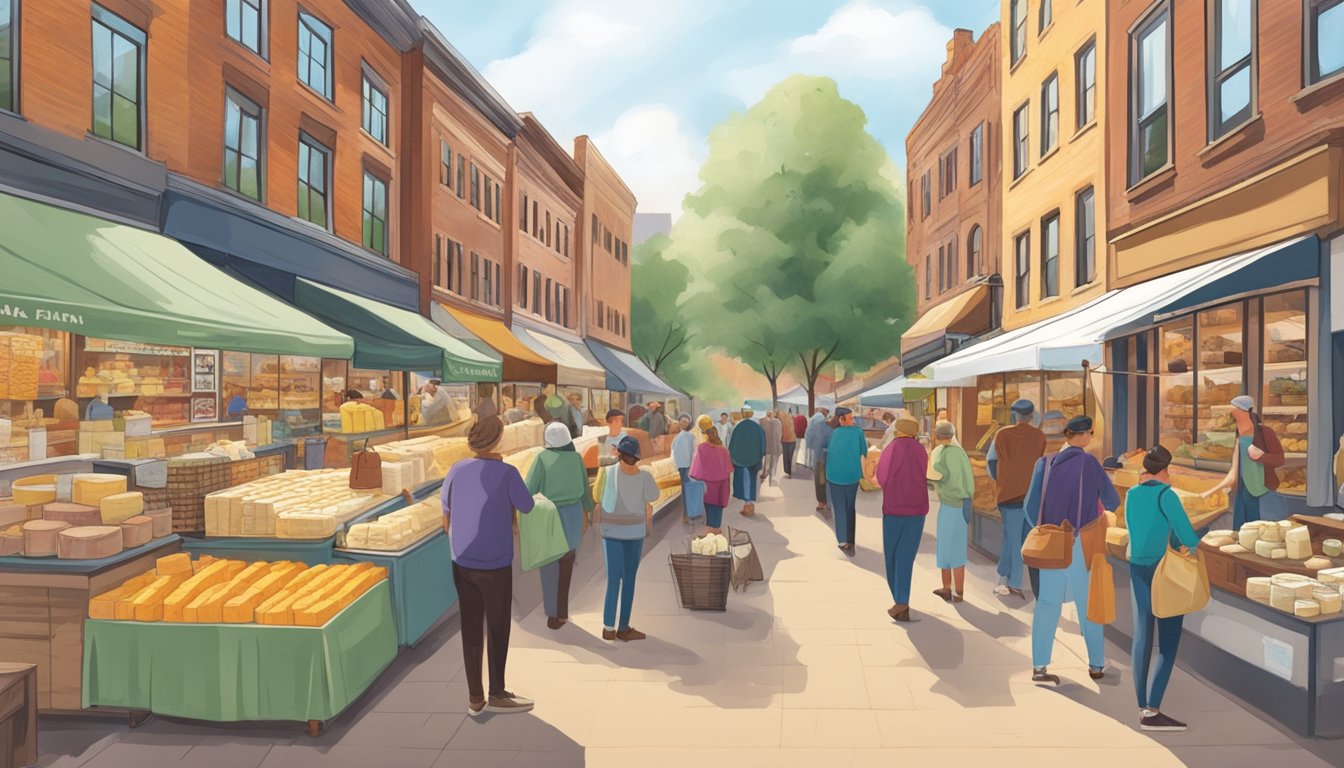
521, 364
966, 313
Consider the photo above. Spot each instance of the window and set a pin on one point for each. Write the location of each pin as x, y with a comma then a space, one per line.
499, 284
977, 154
375, 213
606, 239
953, 263
243, 145
487, 280
475, 187
244, 21
566, 240
1325, 28
314, 170
546, 233
599, 314
522, 286
374, 108
973, 246
1022, 269
522, 216
438, 259
1018, 13
928, 276
1232, 66
315, 54
548, 298
926, 203
1021, 120
499, 207
118, 79
1149, 73
1085, 76
1049, 113
536, 293
461, 176
475, 275
565, 317
942, 269
536, 220
1050, 255
445, 164
947, 174
453, 258
625, 253
597, 230
9, 54
489, 198
1047, 15
1085, 226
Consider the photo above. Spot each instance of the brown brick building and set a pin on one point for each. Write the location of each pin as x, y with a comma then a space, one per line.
606, 227
548, 188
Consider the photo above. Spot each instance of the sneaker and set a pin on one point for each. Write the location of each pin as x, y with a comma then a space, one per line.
508, 703
475, 708
1039, 675
1015, 592
1002, 590
555, 623
1160, 722
608, 634
945, 594
1096, 673
630, 633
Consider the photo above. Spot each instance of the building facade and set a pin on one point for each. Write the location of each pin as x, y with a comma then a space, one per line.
548, 188
605, 229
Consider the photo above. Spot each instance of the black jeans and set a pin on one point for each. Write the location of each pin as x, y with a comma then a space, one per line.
485, 600
788, 458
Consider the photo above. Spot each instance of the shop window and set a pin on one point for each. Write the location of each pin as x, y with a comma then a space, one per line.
1018, 43
373, 109
374, 214
314, 173
1085, 234
245, 22
1325, 30
9, 55
1022, 269
1149, 75
445, 164
977, 154
34, 373
1049, 113
1050, 255
1021, 139
118, 79
243, 145
1284, 397
1176, 392
147, 377
315, 54
1085, 77
1231, 81
1064, 393
1221, 373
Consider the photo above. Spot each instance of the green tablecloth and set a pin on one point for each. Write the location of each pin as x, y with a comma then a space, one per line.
226, 672
254, 549
422, 583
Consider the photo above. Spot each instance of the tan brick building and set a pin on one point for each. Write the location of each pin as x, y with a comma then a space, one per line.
548, 189
606, 227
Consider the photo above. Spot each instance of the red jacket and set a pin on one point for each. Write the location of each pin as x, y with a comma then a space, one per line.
1268, 441
901, 471
800, 426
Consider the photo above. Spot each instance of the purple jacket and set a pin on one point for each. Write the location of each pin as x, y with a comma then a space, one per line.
901, 472
480, 496
1072, 466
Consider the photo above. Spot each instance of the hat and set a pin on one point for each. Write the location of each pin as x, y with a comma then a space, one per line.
944, 430
1079, 424
746, 408
614, 412
704, 423
1157, 459
1051, 423
1243, 403
907, 427
1024, 407
628, 445
842, 411
686, 417
557, 435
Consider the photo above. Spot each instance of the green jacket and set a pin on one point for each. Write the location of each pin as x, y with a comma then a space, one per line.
958, 483
561, 477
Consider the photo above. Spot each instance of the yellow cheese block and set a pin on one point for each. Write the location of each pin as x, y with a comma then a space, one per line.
202, 562
209, 607
104, 606
241, 609
92, 488
33, 495
322, 611
213, 574
147, 604
191, 614
179, 563
120, 507
281, 613
297, 584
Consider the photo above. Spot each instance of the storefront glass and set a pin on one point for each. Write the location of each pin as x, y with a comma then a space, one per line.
1221, 376
1284, 393
143, 377
34, 373
1064, 393
1176, 393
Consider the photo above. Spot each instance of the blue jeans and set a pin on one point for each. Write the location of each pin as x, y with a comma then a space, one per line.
622, 563
1057, 586
1141, 651
900, 544
1015, 529
843, 498
685, 473
713, 516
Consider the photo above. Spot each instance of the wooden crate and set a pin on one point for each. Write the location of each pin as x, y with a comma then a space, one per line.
18, 714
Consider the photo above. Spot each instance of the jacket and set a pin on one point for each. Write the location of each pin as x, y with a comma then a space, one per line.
683, 448
900, 472
747, 444
713, 466
560, 476
845, 452
787, 432
818, 438
774, 443
1011, 459
1075, 475
1153, 517
1267, 440
957, 483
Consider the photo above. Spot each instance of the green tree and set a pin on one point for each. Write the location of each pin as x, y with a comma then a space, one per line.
660, 332
798, 237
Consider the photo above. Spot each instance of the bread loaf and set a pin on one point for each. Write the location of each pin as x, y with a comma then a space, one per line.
136, 532
147, 604
323, 610
241, 609
1258, 588
74, 514
89, 542
41, 538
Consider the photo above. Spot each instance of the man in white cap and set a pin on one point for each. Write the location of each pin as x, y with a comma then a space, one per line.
1253, 479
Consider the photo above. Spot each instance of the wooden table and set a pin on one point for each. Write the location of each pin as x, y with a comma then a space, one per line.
18, 714
1230, 571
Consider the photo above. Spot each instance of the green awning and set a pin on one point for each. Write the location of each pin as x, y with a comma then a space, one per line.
390, 338
74, 272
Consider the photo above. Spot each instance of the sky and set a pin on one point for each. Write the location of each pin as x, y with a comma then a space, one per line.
648, 79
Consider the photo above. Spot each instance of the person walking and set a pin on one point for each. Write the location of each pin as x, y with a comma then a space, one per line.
788, 438
1252, 479
950, 475
683, 447
1012, 456
818, 437
615, 433
1076, 491
1154, 516
774, 446
889, 419
747, 447
559, 475
905, 505
626, 516
725, 427
479, 497
713, 466
844, 468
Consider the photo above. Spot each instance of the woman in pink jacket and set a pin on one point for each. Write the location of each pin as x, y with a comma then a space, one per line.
713, 466
901, 471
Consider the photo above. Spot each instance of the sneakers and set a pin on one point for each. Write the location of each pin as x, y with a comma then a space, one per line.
1039, 675
509, 703
1156, 721
1096, 673
630, 633
608, 634
1002, 590
475, 708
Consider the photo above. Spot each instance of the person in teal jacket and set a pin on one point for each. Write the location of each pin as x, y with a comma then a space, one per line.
1154, 517
951, 477
746, 446
844, 469
559, 475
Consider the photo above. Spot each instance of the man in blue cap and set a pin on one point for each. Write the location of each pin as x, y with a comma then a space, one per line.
1013, 454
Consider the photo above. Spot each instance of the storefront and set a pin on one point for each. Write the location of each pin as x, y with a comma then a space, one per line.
946, 327
578, 373
523, 370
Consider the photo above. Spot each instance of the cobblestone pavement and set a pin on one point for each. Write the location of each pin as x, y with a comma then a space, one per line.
804, 670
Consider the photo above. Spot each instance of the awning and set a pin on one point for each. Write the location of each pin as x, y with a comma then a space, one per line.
627, 373
73, 272
888, 395
1063, 342
798, 396
488, 334
575, 365
937, 333
390, 338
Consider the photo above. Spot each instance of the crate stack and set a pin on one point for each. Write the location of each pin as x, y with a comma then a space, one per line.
190, 479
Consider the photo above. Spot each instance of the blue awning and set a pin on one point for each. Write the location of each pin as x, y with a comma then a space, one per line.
888, 395
627, 373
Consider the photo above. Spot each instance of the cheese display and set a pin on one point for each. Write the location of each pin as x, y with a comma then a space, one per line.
299, 504
399, 475
119, 507
1248, 536
1306, 609
1279, 553
89, 542
1328, 598
1264, 548
214, 574
319, 609
397, 530
74, 514
104, 606
1215, 540
1329, 547
41, 538
438, 453
12, 514
173, 564
92, 488
1332, 576
664, 473
35, 490
523, 434
1258, 588
136, 532
1270, 531
361, 417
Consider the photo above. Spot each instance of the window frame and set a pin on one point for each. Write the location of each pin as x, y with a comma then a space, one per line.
263, 26
977, 155
1085, 254
1017, 31
445, 164
1215, 78
1085, 91
366, 210
1021, 141
1049, 117
328, 161
1022, 269
1312, 10
461, 176
328, 39
926, 194
475, 189
928, 276
975, 243
947, 173
488, 188
132, 34
1159, 13
942, 269
15, 50
371, 83
1045, 17
1053, 218
244, 104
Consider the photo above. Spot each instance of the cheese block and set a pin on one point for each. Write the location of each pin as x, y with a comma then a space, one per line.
322, 611
213, 574
1265, 548
104, 606
1248, 535
11, 541
1328, 598
89, 542
147, 604
118, 507
12, 514
171, 564
297, 585
1317, 562
1332, 547
74, 514
280, 610
65, 487
1232, 549
1302, 586
1221, 541
201, 563
136, 532
32, 491
1258, 588
41, 538
1332, 576
1297, 541
92, 488
1282, 598
191, 614
161, 522
241, 609
1279, 553
1306, 609
1270, 532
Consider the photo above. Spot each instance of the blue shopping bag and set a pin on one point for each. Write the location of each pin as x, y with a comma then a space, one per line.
693, 497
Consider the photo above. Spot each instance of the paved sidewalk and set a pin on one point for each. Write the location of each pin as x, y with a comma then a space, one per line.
807, 671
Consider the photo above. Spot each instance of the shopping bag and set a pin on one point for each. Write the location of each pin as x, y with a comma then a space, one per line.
1180, 584
541, 536
366, 469
693, 497
1049, 547
746, 563
1100, 592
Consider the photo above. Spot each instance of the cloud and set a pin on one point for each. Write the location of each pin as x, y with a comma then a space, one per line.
649, 147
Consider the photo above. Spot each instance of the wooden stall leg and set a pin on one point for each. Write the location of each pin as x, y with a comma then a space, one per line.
314, 728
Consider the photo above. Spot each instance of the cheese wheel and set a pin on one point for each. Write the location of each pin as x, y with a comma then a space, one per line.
74, 514
33, 495
12, 514
1279, 553
136, 532
1220, 541
1265, 548
1281, 597
1329, 599
1271, 532
1248, 535
92, 488
162, 520
1258, 588
89, 542
118, 507
1306, 609
41, 538
1332, 547
1331, 576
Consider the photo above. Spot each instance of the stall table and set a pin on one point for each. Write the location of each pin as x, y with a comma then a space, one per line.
421, 579
253, 549
232, 672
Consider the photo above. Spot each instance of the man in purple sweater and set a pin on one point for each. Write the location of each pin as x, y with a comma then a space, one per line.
479, 497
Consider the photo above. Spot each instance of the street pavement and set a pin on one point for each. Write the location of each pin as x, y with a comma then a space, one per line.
803, 670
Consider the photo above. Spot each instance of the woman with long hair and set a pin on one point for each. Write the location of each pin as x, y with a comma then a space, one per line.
714, 467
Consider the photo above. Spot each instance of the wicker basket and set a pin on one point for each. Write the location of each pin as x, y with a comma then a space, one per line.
247, 470
701, 581
189, 481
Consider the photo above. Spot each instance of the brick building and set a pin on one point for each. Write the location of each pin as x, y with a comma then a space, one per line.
606, 227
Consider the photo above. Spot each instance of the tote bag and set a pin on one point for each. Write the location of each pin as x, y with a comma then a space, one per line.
541, 535
1101, 591
1050, 547
1180, 585
693, 497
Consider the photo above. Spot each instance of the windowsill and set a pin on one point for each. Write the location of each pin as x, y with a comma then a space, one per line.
1087, 128
231, 192
308, 223
13, 114
1046, 30
380, 145
1225, 144
1051, 153
316, 94
1047, 301
1022, 176
1084, 288
90, 135
1012, 68
481, 215
1152, 181
1311, 92
258, 55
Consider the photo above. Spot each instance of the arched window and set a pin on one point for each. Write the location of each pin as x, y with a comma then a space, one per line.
974, 262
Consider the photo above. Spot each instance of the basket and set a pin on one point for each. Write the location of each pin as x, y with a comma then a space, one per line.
189, 482
701, 581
